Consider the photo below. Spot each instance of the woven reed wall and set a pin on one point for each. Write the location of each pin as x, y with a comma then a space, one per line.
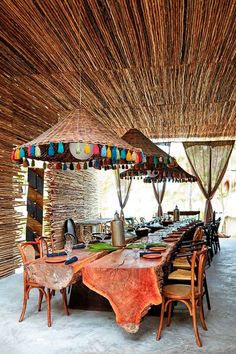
70, 195
164, 67
23, 117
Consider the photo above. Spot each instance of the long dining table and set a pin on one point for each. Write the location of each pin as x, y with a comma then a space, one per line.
57, 275
131, 285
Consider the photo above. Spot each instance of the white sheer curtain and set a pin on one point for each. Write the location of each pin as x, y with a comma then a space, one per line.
159, 192
209, 162
123, 187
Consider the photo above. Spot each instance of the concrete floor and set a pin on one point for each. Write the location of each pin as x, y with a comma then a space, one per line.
86, 332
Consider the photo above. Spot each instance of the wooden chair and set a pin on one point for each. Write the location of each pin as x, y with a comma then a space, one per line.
183, 263
28, 252
183, 274
190, 295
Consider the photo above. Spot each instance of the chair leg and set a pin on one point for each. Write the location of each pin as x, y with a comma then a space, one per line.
40, 299
170, 307
195, 328
64, 299
201, 315
207, 293
26, 296
48, 298
161, 319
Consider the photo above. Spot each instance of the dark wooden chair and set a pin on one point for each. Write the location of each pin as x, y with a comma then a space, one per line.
28, 252
190, 295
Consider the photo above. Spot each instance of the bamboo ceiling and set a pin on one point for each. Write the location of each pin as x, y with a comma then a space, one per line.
165, 67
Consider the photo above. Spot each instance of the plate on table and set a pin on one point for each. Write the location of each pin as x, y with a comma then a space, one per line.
160, 249
152, 256
171, 239
58, 259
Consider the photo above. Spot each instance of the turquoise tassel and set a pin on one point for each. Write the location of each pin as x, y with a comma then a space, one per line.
51, 150
113, 153
22, 153
104, 151
64, 166
60, 148
37, 151
123, 154
32, 150
155, 160
97, 164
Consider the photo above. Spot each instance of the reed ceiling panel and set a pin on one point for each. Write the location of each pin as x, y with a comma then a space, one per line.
166, 67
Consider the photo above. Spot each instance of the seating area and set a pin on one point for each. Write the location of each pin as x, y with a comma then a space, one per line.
187, 283
179, 337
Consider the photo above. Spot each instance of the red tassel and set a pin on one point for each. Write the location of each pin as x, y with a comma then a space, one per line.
78, 166
58, 166
13, 155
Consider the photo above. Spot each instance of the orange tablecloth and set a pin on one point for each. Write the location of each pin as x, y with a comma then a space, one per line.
130, 285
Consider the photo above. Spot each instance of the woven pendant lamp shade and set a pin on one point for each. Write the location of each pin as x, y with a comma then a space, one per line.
82, 128
159, 165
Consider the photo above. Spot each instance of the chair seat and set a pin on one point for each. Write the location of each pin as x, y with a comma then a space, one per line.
178, 291
181, 274
181, 262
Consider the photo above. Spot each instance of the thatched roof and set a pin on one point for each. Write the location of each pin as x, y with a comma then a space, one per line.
163, 67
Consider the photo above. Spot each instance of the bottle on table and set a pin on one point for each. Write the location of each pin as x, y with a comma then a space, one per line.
176, 213
117, 231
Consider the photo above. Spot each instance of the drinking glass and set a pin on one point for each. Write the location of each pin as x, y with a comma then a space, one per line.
136, 253
103, 236
87, 239
68, 248
145, 242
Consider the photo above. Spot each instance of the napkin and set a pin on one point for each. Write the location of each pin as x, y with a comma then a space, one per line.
71, 260
77, 247
56, 254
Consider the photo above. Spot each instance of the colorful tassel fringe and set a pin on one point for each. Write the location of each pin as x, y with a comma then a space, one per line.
32, 150
86, 149
96, 150
104, 151
71, 166
64, 166
51, 151
60, 148
22, 153
37, 151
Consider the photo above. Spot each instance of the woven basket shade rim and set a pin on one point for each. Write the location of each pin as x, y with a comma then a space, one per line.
142, 172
